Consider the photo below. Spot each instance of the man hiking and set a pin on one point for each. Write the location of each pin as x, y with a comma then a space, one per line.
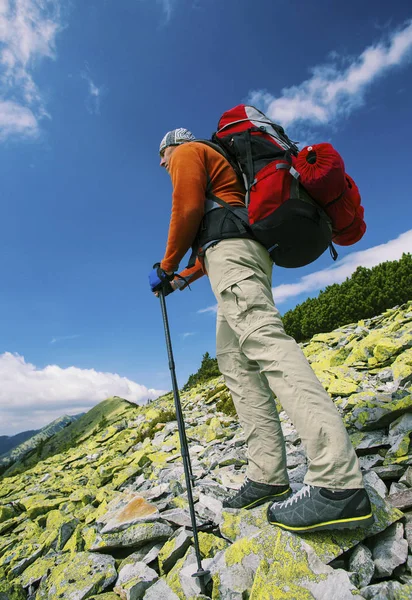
255, 355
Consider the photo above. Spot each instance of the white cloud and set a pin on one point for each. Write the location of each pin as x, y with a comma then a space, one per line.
335, 91
31, 397
28, 29
95, 92
167, 6
209, 309
342, 269
187, 334
63, 338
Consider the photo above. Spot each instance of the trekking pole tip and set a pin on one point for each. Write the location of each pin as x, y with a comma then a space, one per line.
201, 573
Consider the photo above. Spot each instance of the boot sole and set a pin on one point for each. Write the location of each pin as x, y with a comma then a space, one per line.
263, 500
351, 523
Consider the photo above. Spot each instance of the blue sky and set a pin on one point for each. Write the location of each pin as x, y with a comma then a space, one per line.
87, 90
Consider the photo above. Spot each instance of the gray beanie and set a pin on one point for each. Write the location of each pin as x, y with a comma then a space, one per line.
176, 137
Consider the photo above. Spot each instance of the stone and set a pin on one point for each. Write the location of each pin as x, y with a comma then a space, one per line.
390, 550
401, 425
399, 450
210, 544
108, 596
372, 479
389, 590
311, 577
135, 536
231, 479
389, 471
155, 492
368, 461
297, 475
146, 554
397, 487
366, 440
78, 578
135, 511
173, 550
407, 477
209, 508
11, 591
160, 591
7, 512
40, 568
177, 516
402, 500
133, 580
377, 413
408, 531
362, 565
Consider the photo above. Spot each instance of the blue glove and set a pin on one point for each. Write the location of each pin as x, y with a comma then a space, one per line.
159, 280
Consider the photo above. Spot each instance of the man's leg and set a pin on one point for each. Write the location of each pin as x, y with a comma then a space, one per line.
259, 419
240, 275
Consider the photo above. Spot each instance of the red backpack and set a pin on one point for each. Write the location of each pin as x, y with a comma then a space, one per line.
298, 202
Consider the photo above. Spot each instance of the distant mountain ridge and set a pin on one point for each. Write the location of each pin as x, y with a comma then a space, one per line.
31, 442
62, 434
8, 442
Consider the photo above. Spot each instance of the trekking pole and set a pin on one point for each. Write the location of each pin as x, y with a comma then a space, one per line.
184, 448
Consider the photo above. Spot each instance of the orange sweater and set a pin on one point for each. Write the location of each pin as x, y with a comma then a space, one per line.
189, 166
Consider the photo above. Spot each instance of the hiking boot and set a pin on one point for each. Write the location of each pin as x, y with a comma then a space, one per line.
252, 494
315, 508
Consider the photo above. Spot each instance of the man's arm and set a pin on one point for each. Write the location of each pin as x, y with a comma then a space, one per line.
189, 180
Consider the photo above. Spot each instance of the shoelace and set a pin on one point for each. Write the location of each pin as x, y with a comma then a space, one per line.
305, 491
243, 487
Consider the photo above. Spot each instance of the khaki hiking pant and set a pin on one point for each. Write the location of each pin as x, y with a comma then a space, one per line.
256, 358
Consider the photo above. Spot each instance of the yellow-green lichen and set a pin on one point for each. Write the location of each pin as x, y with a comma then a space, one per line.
210, 544
268, 586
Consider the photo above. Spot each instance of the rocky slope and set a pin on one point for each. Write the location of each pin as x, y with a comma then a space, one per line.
107, 518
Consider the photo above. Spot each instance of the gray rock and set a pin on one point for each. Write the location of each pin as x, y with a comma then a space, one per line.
297, 474
327, 582
21, 565
402, 500
389, 590
135, 536
80, 576
385, 375
174, 549
373, 439
368, 461
146, 554
389, 550
155, 492
401, 425
296, 457
133, 580
397, 487
209, 508
374, 481
408, 531
178, 516
362, 565
191, 585
389, 471
407, 477
160, 591
167, 475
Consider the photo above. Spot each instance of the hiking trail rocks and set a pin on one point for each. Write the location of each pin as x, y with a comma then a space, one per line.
107, 515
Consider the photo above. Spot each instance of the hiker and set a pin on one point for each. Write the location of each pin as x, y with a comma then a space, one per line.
254, 354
